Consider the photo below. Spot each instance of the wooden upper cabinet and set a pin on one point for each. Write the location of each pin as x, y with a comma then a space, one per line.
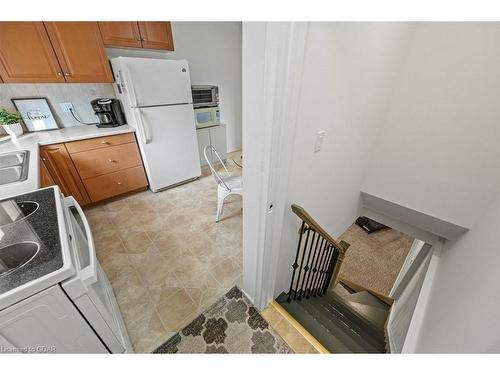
120, 34
156, 35
80, 51
26, 54
63, 172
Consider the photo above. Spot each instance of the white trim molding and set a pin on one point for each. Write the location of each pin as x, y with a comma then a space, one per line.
273, 56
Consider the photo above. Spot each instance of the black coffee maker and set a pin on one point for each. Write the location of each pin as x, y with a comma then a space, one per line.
109, 111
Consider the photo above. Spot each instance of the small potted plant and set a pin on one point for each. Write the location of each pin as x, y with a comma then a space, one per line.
10, 121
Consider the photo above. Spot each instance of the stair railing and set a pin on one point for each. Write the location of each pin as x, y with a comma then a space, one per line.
317, 261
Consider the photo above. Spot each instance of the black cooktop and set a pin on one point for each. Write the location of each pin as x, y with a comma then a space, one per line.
30, 246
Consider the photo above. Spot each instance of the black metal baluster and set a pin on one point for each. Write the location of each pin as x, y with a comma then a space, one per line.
295, 265
302, 262
325, 269
306, 267
333, 265
324, 253
314, 263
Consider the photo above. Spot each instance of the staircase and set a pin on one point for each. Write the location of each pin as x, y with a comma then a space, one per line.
342, 319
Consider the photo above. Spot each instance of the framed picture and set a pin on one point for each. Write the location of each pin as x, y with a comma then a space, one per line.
36, 113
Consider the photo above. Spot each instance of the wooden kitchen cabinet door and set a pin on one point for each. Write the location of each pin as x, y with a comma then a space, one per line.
156, 35
26, 54
120, 34
62, 170
80, 51
45, 177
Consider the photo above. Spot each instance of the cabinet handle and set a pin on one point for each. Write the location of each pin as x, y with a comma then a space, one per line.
143, 40
66, 74
105, 142
119, 183
112, 161
59, 74
44, 159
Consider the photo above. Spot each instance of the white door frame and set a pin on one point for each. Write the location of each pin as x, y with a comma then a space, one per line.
278, 80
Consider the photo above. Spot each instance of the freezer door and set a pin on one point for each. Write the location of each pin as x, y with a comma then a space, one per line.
168, 144
152, 82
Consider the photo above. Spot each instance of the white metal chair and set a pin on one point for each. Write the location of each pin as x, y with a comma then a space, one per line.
226, 185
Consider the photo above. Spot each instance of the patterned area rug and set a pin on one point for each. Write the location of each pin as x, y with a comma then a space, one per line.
231, 325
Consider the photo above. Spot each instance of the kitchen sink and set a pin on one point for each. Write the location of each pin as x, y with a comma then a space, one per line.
17, 255
14, 167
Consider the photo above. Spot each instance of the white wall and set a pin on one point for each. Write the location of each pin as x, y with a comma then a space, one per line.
254, 36
347, 81
213, 50
438, 152
462, 313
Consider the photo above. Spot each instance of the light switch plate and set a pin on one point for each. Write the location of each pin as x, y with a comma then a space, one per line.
318, 144
66, 107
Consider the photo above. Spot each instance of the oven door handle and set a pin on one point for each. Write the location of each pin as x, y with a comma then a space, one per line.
88, 274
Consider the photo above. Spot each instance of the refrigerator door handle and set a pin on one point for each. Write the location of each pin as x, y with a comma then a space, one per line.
130, 85
145, 134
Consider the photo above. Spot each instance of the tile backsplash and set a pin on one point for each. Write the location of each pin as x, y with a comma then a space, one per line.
80, 94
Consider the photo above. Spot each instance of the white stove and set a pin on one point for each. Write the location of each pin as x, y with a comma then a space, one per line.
60, 300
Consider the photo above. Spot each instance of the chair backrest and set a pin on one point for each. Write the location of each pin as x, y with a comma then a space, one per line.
218, 178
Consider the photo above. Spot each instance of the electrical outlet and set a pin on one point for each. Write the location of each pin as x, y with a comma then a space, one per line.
318, 144
66, 107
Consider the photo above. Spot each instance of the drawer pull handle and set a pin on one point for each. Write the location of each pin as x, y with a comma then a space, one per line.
105, 142
112, 161
119, 183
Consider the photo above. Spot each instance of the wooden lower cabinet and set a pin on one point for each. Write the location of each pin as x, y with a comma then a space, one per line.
94, 169
63, 172
116, 183
45, 177
106, 160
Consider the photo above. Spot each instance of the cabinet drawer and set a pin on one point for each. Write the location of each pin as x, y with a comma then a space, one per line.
101, 142
106, 160
110, 185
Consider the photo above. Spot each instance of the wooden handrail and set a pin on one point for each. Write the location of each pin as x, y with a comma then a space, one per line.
341, 246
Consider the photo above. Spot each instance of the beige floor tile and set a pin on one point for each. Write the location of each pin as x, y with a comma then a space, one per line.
175, 311
161, 294
108, 242
171, 244
226, 272
147, 334
166, 257
135, 241
209, 297
135, 303
151, 267
127, 277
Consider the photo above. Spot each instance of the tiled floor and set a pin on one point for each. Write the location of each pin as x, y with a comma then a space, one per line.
287, 331
166, 257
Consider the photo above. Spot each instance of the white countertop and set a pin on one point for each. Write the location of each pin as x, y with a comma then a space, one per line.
32, 141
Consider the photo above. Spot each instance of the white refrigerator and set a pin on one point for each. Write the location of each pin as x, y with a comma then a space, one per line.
157, 101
